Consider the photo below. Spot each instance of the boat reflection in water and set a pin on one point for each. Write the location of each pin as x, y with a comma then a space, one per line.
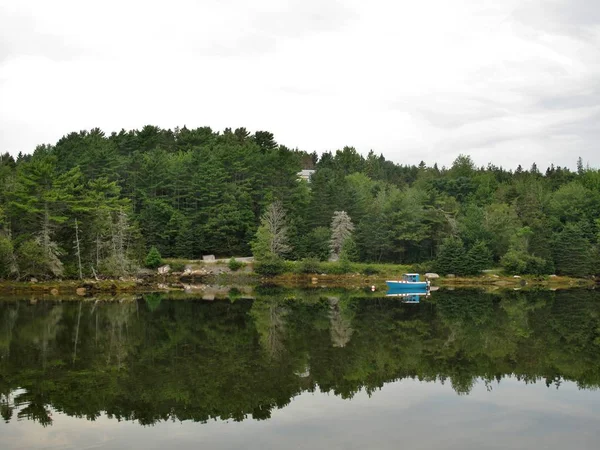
408, 297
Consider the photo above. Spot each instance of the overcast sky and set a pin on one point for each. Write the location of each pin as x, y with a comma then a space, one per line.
506, 81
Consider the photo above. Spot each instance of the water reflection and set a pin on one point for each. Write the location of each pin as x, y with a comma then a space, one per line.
151, 359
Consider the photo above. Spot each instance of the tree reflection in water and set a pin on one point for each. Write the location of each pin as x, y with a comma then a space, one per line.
152, 359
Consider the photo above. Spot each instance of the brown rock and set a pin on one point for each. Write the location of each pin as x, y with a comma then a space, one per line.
80, 291
54, 291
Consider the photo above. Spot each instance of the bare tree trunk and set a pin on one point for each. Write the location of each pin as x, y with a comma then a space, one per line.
97, 250
78, 249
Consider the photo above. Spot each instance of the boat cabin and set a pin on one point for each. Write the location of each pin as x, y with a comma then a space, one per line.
410, 277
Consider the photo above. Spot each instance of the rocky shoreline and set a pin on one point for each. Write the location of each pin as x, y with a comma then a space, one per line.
193, 281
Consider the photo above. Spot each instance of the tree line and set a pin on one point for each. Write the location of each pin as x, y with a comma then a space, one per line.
96, 204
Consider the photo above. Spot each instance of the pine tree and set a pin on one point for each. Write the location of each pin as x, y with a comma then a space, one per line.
45, 199
479, 257
451, 257
341, 229
153, 259
572, 252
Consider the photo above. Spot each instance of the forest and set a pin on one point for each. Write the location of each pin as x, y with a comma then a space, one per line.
94, 203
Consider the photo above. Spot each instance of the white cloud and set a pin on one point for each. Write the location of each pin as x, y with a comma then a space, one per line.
412, 80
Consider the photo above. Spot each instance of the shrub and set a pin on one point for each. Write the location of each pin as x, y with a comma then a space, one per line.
177, 266
234, 294
234, 264
309, 265
370, 270
520, 262
341, 267
537, 265
270, 267
514, 261
422, 267
153, 259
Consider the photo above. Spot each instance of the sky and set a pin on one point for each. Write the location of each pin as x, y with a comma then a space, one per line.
508, 82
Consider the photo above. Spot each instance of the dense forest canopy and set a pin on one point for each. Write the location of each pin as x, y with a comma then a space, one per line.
100, 202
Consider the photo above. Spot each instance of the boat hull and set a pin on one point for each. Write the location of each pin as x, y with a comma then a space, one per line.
407, 286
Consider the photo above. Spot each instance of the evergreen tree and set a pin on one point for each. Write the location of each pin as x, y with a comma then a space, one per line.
341, 230
452, 258
349, 251
153, 258
479, 257
572, 252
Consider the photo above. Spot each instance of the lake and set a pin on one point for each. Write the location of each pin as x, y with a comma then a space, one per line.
302, 369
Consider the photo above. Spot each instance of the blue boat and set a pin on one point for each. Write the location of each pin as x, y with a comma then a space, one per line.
409, 283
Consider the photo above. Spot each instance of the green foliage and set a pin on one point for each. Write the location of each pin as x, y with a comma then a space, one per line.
423, 267
235, 265
177, 266
115, 266
515, 261
452, 257
370, 270
269, 267
572, 252
319, 243
153, 259
519, 262
7, 258
538, 266
349, 250
271, 240
32, 260
190, 192
479, 257
260, 245
309, 265
341, 267
501, 224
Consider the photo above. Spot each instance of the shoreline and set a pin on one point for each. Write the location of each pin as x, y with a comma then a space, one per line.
162, 283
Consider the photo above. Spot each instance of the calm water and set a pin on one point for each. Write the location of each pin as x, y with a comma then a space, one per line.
303, 369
